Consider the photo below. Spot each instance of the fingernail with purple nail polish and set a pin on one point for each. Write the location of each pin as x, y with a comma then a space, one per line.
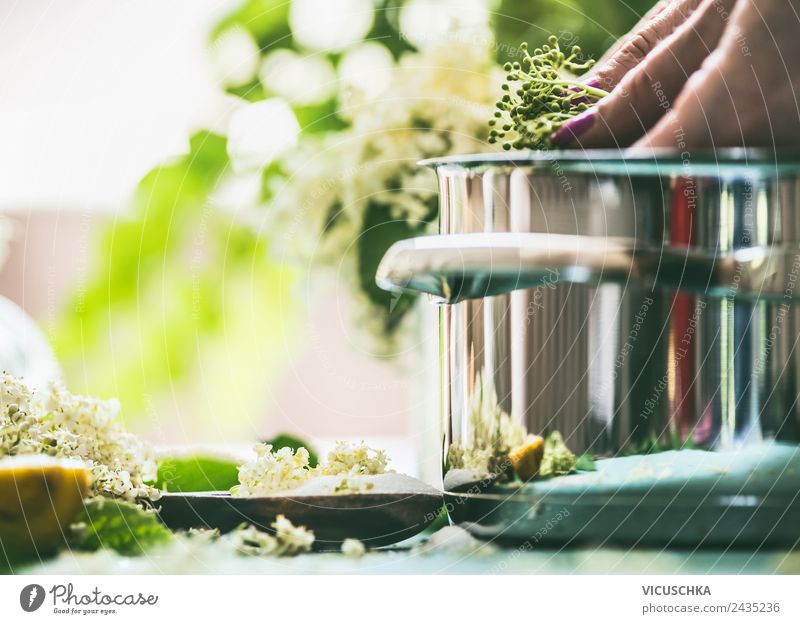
573, 128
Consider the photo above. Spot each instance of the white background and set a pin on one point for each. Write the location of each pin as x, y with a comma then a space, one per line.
467, 599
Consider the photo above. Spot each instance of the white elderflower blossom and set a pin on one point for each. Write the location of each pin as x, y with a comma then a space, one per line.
354, 459
292, 540
66, 425
434, 103
289, 540
272, 472
248, 540
353, 548
20, 417
492, 434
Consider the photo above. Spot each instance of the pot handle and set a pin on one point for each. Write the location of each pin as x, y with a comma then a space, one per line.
453, 267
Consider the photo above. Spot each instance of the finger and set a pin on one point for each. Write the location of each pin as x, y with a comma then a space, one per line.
746, 92
643, 21
689, 123
650, 89
640, 42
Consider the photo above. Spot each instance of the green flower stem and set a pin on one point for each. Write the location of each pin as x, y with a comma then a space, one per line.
539, 99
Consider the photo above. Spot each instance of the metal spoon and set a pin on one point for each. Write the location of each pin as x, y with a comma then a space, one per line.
375, 518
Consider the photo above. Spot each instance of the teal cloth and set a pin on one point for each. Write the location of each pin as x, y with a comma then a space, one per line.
496, 561
770, 469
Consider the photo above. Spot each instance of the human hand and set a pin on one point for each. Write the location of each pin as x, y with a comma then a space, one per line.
724, 76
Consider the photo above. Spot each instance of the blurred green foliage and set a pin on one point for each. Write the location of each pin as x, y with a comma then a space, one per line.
197, 474
379, 232
592, 24
170, 273
116, 525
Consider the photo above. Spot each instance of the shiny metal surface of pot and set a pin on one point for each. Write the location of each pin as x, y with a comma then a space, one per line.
663, 315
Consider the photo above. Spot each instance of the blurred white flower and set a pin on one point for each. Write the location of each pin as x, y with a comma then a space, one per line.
367, 68
248, 540
353, 548
237, 194
289, 540
260, 132
330, 25
292, 540
298, 79
435, 103
234, 57
429, 23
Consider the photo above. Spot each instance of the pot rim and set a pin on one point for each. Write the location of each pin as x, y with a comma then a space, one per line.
721, 163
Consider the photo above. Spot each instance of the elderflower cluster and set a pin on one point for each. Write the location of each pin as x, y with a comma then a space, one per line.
288, 540
276, 471
353, 548
61, 424
272, 472
492, 434
541, 95
337, 187
21, 409
354, 459
436, 104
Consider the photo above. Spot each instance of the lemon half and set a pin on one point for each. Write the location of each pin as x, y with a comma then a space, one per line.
527, 458
39, 497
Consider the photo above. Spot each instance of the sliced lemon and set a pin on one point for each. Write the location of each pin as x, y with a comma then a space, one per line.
39, 497
527, 458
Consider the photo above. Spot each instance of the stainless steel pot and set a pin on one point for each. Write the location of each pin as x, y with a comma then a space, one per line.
631, 302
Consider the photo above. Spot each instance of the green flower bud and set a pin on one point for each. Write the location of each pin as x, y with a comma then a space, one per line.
539, 100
